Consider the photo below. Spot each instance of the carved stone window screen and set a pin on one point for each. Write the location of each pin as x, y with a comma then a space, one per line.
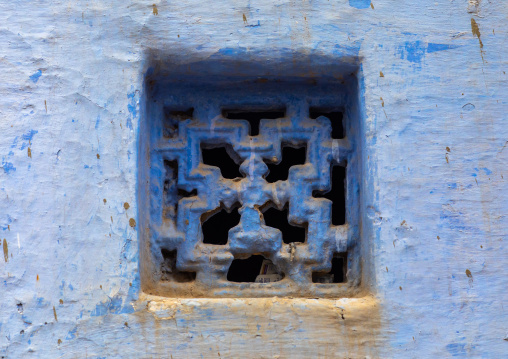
180, 192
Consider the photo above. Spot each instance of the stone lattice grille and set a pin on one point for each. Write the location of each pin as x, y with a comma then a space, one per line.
184, 192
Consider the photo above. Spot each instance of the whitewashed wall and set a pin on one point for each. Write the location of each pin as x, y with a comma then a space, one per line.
436, 144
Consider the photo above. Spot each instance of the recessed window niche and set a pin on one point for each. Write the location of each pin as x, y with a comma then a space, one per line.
249, 187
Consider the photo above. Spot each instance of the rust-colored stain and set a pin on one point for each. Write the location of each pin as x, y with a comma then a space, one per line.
155, 10
126, 205
59, 341
438, 238
448, 149
372, 6
29, 152
476, 31
244, 18
382, 102
54, 313
470, 276
381, 74
37, 277
104, 200
46, 106
6, 251
98, 156
61, 301
400, 288
132, 222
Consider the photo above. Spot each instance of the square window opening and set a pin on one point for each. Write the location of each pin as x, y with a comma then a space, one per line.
268, 209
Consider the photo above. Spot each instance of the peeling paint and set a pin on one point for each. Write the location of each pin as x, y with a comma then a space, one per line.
72, 98
35, 77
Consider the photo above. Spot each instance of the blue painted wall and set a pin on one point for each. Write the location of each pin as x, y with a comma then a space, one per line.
435, 147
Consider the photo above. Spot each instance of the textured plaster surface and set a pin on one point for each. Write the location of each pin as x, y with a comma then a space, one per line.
435, 194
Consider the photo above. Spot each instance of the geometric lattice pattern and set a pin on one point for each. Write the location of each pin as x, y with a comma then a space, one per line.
183, 191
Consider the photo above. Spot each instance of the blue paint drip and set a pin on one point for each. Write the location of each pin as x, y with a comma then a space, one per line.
35, 76
71, 334
134, 289
132, 109
6, 225
415, 51
439, 47
29, 135
8, 167
113, 306
15, 142
359, 4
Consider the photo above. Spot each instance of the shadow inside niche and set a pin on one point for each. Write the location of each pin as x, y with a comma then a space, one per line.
224, 157
338, 272
279, 219
216, 224
169, 272
255, 269
291, 156
254, 117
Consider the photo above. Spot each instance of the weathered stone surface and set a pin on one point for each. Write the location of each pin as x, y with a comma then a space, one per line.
435, 152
